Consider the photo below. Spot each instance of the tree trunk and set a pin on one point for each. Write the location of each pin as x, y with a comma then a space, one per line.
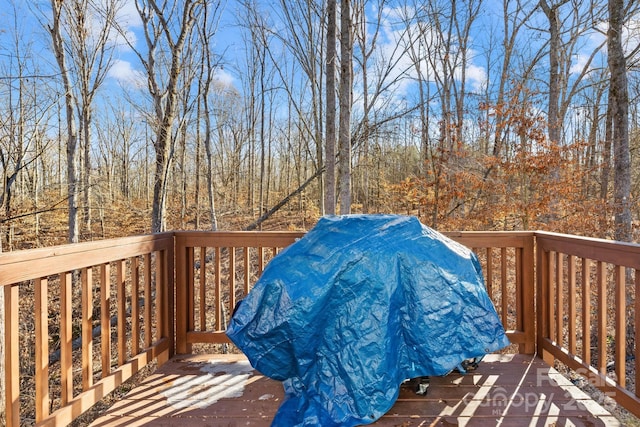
165, 101
620, 117
160, 186
72, 133
86, 182
330, 112
605, 168
553, 119
344, 131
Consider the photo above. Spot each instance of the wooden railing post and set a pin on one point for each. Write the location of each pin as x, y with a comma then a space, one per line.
169, 299
182, 300
12, 356
527, 306
542, 301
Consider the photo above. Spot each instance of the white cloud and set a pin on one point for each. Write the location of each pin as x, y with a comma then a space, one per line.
127, 14
124, 73
579, 63
476, 77
224, 78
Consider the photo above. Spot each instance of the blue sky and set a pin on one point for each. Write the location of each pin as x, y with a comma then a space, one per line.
126, 70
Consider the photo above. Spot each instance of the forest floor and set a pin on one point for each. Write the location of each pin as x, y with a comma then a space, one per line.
121, 219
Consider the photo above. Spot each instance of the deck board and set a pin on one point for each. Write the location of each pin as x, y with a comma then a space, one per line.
223, 390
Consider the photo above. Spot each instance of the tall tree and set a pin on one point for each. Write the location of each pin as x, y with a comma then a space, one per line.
91, 32
330, 111
71, 104
344, 127
83, 41
167, 26
619, 104
379, 70
304, 39
552, 14
207, 70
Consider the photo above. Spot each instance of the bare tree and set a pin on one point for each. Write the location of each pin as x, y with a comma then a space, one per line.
565, 44
502, 85
619, 105
552, 14
330, 112
71, 104
207, 70
438, 42
91, 31
259, 86
83, 41
346, 96
167, 26
304, 41
379, 72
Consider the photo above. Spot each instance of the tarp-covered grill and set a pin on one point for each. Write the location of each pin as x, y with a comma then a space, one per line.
358, 305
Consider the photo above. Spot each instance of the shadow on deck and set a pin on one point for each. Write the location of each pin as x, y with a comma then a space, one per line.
223, 390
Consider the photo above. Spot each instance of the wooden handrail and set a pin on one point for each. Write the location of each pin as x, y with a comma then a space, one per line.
508, 265
207, 264
513, 277
67, 284
580, 280
579, 287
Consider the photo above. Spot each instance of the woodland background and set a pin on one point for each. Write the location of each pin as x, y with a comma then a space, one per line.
122, 117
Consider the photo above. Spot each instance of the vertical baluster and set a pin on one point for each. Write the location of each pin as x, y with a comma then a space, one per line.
162, 278
232, 280
148, 302
190, 292
218, 291
260, 261
602, 317
42, 348
135, 305
519, 290
559, 298
105, 318
551, 312
12, 354
87, 327
167, 317
489, 273
620, 322
66, 332
121, 304
571, 300
203, 288
247, 271
586, 311
504, 290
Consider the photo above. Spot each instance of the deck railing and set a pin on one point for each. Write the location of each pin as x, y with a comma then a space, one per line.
589, 311
211, 266
137, 300
80, 320
214, 270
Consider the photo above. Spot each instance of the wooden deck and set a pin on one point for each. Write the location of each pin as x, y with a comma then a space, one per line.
223, 390
567, 298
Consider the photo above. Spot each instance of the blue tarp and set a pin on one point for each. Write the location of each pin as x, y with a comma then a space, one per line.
359, 304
